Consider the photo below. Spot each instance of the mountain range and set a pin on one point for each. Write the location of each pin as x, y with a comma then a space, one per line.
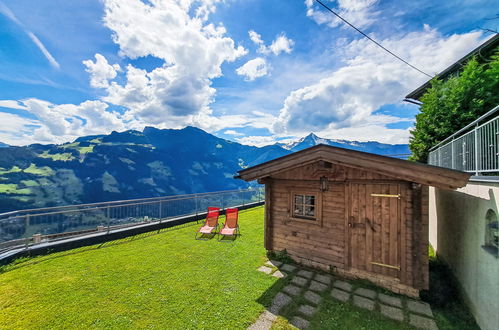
134, 164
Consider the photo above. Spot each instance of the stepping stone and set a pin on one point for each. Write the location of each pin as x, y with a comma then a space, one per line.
326, 279
279, 274
317, 286
340, 295
392, 312
345, 286
264, 322
268, 316
305, 273
265, 270
279, 301
366, 293
422, 322
419, 307
273, 263
363, 302
312, 297
292, 289
299, 322
288, 268
261, 324
299, 281
390, 300
307, 310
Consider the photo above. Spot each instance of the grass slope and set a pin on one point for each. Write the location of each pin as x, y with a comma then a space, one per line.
165, 280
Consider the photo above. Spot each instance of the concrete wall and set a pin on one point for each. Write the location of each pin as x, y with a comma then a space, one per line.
457, 232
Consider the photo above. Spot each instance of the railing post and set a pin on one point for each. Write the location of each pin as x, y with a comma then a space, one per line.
196, 202
452, 157
108, 219
242, 193
476, 149
160, 210
222, 198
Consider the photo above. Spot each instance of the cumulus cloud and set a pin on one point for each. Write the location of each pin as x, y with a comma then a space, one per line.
281, 44
347, 99
253, 69
100, 71
360, 13
193, 52
258, 67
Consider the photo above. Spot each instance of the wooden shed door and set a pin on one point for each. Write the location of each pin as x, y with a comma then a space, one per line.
374, 228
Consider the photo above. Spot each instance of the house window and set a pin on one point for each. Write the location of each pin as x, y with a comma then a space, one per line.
491, 233
305, 206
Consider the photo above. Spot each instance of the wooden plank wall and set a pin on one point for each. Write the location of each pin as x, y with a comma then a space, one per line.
322, 244
327, 243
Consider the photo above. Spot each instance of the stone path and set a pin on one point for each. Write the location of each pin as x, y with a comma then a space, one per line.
310, 287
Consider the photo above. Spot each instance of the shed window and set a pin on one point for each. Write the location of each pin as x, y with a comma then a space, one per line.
492, 233
304, 206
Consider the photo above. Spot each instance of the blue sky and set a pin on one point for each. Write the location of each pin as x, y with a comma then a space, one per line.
252, 71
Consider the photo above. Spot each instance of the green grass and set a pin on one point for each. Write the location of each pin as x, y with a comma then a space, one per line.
14, 169
66, 156
11, 188
41, 171
166, 280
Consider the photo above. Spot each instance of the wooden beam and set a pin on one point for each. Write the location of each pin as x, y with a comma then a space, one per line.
268, 218
416, 235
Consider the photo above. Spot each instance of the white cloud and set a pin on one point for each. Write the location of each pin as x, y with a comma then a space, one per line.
258, 141
57, 123
345, 101
15, 130
255, 37
233, 132
193, 52
100, 71
43, 49
253, 69
12, 104
360, 13
281, 44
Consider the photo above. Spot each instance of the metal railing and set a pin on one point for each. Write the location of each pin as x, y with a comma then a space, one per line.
34, 226
474, 148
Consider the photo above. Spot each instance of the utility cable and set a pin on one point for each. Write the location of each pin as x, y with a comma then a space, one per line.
371, 39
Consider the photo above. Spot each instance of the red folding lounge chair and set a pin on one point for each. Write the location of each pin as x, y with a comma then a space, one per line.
211, 223
231, 226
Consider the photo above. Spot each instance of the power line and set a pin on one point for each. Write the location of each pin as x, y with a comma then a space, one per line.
374, 41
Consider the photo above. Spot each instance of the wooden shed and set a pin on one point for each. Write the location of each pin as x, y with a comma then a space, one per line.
357, 214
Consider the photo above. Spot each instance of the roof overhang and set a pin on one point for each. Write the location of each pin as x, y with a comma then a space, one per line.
397, 168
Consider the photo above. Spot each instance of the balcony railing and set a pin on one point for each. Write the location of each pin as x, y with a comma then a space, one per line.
474, 148
34, 226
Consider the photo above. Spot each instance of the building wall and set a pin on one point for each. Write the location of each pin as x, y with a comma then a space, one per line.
326, 246
457, 232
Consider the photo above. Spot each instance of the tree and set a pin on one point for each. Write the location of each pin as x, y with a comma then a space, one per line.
452, 104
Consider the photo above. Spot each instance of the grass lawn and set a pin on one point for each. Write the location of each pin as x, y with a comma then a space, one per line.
164, 280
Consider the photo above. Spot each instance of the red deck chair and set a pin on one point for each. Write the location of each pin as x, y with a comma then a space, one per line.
211, 223
231, 226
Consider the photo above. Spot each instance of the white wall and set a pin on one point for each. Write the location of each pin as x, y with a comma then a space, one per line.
457, 232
